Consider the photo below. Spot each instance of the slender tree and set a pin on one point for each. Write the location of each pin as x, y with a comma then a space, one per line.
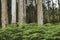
20, 12
59, 9
39, 12
24, 4
13, 21
4, 13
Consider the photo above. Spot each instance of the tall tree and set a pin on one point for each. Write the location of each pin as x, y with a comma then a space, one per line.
20, 11
39, 12
59, 9
4, 13
13, 21
24, 4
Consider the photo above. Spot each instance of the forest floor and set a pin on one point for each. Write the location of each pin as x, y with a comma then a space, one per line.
31, 32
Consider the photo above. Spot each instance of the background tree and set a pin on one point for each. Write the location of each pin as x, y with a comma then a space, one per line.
59, 9
13, 21
24, 11
20, 12
4, 13
39, 12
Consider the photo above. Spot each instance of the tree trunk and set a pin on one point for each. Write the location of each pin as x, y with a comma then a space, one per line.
59, 9
24, 4
4, 13
13, 21
39, 12
20, 12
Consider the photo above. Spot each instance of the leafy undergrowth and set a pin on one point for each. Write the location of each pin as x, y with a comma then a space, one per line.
31, 32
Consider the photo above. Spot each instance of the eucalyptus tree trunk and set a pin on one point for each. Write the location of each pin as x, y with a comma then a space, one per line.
24, 10
59, 9
28, 2
20, 12
39, 12
4, 13
13, 11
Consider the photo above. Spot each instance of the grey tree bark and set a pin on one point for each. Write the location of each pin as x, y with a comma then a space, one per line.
24, 10
4, 13
13, 12
39, 12
20, 12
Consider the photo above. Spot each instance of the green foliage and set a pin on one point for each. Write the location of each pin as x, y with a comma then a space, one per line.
31, 32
